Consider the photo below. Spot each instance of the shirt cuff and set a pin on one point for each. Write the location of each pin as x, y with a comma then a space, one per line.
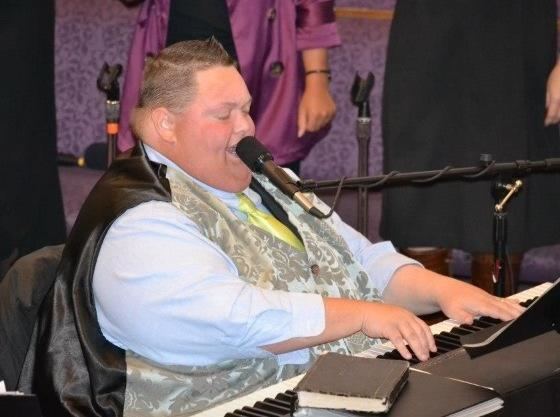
386, 266
308, 315
309, 320
312, 38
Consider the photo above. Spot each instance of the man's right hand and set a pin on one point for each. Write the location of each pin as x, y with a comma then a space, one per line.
401, 327
344, 317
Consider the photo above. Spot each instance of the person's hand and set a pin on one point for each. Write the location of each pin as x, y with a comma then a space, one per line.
553, 97
463, 302
317, 107
401, 327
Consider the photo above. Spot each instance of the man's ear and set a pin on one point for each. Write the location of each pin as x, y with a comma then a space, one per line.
163, 121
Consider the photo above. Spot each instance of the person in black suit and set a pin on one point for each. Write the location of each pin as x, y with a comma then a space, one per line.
465, 78
31, 211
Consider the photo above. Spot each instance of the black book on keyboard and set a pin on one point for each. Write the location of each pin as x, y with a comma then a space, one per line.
427, 395
345, 382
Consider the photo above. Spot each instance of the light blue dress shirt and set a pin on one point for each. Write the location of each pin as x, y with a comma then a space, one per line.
165, 291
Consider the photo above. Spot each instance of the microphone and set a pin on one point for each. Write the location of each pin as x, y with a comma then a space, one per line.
67, 159
95, 157
255, 155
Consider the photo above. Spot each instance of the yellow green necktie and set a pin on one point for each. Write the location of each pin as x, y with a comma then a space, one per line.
268, 222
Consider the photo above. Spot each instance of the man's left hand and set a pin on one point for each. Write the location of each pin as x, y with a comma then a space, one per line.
464, 302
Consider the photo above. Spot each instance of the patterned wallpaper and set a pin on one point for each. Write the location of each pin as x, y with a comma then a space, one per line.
367, 4
89, 33
93, 32
363, 50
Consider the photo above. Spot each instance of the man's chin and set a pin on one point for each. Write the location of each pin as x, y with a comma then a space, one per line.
237, 184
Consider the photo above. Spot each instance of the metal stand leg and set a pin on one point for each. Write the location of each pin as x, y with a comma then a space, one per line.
361, 90
500, 273
108, 83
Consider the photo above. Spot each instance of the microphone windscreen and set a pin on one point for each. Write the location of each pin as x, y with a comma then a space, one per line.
96, 156
253, 153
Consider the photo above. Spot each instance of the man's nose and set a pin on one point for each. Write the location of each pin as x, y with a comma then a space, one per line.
244, 124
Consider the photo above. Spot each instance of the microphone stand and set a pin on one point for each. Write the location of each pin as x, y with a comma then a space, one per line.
360, 92
487, 168
108, 82
502, 194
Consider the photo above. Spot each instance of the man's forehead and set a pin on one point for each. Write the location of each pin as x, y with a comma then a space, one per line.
222, 86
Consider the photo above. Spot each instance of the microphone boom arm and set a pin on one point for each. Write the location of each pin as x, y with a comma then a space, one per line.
487, 170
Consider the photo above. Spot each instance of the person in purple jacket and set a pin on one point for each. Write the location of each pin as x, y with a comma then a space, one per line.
281, 48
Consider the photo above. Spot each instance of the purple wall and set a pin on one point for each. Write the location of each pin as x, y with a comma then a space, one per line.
367, 4
363, 50
87, 34
90, 33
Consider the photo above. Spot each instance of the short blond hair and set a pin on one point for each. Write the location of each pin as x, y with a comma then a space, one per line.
169, 78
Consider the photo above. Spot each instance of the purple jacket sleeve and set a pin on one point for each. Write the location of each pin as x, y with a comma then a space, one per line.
149, 38
316, 24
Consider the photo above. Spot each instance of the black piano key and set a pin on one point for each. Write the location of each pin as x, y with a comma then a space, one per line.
471, 327
451, 335
239, 413
490, 321
276, 407
445, 343
460, 331
481, 323
259, 411
527, 303
441, 349
414, 360
388, 355
290, 397
394, 354
455, 341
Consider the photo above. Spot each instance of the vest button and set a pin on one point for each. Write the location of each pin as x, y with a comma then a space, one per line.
271, 14
276, 69
315, 270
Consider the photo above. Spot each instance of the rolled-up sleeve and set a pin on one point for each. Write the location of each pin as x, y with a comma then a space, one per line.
165, 291
316, 24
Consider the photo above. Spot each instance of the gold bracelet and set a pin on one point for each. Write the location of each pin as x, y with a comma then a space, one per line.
327, 72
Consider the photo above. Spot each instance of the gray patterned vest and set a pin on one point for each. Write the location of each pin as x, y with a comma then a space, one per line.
327, 267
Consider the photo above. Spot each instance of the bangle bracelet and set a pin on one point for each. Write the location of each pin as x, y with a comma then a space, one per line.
327, 72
